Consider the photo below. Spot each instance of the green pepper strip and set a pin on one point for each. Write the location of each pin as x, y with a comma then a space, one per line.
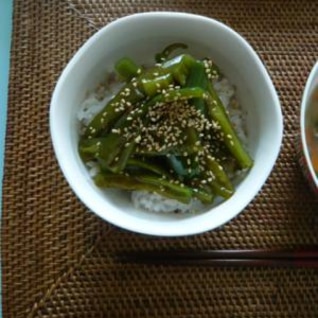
218, 172
146, 183
231, 140
220, 190
204, 195
163, 56
105, 119
127, 68
152, 86
179, 67
179, 94
221, 184
104, 148
119, 164
147, 166
179, 163
88, 148
173, 150
197, 78
109, 149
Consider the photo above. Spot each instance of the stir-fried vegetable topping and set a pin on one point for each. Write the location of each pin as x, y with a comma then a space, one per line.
166, 131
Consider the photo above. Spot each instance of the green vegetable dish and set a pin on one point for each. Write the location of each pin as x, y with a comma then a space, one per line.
166, 131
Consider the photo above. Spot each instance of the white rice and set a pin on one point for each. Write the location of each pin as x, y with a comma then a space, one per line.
154, 202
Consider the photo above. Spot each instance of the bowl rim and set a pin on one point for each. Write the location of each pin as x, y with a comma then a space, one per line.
155, 230
304, 104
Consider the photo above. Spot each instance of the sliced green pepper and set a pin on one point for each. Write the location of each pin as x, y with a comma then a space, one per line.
127, 68
146, 183
164, 55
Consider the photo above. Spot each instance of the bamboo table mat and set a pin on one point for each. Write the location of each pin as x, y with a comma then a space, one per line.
57, 256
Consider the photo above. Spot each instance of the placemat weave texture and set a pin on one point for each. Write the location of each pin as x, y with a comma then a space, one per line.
57, 256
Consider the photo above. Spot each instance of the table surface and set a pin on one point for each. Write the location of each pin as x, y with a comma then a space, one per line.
59, 259
5, 37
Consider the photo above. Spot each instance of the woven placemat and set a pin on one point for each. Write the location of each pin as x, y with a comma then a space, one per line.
57, 256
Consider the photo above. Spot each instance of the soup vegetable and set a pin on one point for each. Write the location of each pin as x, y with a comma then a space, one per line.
311, 128
166, 131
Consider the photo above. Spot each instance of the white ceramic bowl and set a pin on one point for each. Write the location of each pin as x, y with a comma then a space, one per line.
305, 161
140, 36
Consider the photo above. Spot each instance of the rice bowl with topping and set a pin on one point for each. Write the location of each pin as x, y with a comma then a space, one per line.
140, 37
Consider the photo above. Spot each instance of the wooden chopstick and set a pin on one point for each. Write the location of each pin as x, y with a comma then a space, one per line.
303, 257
